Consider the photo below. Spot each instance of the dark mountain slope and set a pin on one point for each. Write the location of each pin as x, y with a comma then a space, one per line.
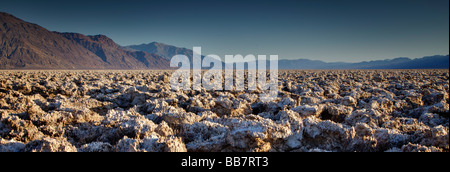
25, 45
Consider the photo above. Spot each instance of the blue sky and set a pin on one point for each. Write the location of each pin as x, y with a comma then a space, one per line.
328, 30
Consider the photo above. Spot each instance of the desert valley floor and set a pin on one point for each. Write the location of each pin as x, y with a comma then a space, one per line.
128, 111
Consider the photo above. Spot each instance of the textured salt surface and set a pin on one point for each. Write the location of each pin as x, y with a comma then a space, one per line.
128, 111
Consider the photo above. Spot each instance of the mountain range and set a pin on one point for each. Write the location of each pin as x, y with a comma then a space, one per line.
430, 62
25, 45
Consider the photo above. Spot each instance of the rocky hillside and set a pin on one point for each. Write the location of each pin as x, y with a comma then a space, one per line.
29, 46
114, 56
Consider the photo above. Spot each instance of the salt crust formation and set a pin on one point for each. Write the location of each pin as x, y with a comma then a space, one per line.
136, 111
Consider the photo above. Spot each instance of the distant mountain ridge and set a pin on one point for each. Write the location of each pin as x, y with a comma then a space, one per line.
163, 50
430, 62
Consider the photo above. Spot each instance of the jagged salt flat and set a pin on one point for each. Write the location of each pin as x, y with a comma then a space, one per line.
136, 111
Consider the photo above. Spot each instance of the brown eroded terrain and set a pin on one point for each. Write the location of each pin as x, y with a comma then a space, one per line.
127, 111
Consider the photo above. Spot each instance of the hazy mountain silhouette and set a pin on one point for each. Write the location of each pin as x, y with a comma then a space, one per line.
431, 62
29, 46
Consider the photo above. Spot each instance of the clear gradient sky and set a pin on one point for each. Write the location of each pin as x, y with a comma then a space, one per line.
328, 30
